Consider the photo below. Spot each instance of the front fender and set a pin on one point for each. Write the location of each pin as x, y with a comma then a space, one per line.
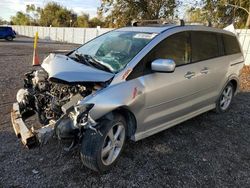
128, 93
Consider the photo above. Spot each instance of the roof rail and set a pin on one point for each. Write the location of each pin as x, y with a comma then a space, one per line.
156, 22
180, 22
209, 24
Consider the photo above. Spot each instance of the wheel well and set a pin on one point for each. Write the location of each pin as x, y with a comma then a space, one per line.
130, 120
235, 84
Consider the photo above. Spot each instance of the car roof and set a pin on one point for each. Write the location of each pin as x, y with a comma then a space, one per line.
162, 28
147, 29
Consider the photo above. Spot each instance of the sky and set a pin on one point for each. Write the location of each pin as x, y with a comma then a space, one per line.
9, 8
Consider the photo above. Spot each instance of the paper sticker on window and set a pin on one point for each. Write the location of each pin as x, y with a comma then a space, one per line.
145, 35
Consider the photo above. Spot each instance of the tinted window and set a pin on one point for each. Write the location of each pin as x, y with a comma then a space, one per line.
175, 47
220, 45
2, 28
204, 46
231, 45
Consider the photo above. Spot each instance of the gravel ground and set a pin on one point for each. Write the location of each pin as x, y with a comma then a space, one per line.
210, 150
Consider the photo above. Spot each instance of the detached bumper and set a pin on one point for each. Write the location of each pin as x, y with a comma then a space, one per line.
27, 137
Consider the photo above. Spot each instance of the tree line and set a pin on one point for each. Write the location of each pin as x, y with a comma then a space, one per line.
118, 13
55, 15
221, 13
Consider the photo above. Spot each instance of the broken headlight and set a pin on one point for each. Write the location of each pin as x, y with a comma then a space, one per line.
80, 115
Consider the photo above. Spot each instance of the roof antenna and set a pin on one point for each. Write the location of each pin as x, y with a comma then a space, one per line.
182, 23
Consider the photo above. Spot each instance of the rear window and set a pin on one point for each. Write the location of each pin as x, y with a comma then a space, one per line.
231, 45
204, 46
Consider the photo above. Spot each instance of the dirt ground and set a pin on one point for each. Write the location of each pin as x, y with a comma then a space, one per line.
210, 150
245, 79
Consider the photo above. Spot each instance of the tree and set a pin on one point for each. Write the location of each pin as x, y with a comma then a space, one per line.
243, 6
3, 22
82, 20
20, 19
195, 15
94, 22
57, 16
122, 12
34, 13
223, 12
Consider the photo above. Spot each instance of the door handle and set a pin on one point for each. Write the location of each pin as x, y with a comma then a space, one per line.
189, 74
205, 70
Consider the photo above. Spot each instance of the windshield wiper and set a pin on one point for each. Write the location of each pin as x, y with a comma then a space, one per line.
81, 59
90, 61
96, 63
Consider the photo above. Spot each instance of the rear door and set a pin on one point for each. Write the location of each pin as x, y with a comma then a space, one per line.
207, 54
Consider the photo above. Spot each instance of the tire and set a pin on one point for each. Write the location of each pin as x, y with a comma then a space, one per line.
225, 99
98, 151
9, 38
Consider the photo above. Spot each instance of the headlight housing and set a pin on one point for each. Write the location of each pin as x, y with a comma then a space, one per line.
80, 115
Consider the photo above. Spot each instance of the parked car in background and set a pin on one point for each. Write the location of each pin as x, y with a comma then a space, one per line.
7, 33
129, 83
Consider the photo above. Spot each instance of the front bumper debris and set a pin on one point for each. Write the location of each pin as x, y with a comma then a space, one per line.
21, 130
30, 137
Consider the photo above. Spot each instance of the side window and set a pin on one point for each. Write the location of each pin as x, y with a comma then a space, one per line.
204, 46
175, 47
231, 45
220, 45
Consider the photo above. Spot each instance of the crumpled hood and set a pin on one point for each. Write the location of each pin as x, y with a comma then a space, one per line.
63, 68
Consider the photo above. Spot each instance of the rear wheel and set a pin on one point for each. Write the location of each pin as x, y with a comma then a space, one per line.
99, 151
9, 38
225, 98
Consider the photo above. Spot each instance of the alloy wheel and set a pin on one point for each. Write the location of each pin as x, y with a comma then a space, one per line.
226, 97
113, 144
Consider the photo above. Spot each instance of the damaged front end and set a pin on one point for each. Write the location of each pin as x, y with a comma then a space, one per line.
56, 103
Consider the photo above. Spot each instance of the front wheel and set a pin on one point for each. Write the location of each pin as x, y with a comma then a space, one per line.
225, 98
100, 150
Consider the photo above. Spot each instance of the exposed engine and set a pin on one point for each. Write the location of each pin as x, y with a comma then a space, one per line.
47, 97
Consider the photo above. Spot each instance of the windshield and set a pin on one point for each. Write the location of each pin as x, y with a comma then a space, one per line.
115, 49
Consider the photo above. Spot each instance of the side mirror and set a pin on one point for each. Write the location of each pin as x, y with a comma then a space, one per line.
163, 65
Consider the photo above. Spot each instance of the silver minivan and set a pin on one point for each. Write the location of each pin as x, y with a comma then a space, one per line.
129, 83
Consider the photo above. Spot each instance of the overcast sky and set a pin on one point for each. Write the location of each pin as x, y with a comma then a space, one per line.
10, 7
